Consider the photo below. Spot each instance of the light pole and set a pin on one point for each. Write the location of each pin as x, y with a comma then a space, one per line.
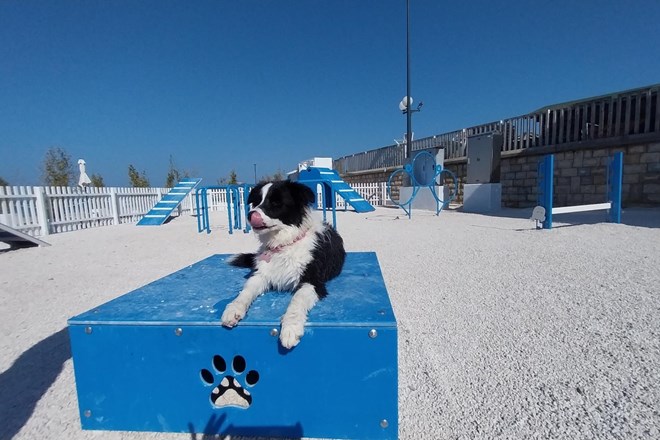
407, 100
255, 173
408, 97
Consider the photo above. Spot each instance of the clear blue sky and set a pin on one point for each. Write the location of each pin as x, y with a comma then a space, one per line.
221, 85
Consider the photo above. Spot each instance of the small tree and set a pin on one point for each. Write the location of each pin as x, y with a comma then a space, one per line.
279, 175
173, 175
57, 168
232, 178
3, 182
97, 180
137, 180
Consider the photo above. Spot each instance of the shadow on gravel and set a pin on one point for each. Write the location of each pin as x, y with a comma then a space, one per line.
215, 424
28, 379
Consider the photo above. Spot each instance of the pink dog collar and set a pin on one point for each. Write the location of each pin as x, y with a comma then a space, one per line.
268, 253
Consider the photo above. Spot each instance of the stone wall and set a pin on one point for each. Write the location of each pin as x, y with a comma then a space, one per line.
580, 176
459, 168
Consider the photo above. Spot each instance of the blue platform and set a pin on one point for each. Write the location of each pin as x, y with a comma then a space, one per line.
150, 360
168, 203
333, 183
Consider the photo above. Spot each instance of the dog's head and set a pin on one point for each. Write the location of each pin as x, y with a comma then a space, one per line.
275, 206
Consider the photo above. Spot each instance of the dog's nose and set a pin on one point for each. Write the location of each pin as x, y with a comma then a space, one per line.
255, 219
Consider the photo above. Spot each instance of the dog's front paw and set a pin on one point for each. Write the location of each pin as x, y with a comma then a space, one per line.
291, 334
233, 313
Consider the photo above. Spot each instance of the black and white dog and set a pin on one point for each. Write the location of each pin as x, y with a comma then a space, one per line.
298, 253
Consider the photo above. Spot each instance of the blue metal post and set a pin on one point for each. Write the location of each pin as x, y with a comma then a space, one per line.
614, 190
323, 197
236, 199
199, 209
206, 224
228, 196
334, 206
246, 206
547, 170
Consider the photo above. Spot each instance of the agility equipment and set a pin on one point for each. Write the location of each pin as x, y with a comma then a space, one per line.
168, 203
333, 184
543, 213
423, 173
237, 207
17, 239
158, 359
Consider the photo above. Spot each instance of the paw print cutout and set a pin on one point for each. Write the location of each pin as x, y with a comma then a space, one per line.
230, 392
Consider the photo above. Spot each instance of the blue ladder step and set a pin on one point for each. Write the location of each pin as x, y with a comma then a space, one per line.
168, 203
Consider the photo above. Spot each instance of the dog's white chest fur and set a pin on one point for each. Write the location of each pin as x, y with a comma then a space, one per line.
285, 267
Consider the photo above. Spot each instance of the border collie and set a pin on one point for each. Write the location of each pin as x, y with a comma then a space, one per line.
298, 253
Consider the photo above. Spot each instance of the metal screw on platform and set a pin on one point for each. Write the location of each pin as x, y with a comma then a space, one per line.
88, 413
373, 333
178, 331
88, 330
384, 423
274, 332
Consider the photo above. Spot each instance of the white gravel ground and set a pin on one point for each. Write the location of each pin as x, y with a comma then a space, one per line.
504, 331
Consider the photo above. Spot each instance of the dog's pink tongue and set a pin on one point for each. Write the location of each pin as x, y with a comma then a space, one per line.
256, 221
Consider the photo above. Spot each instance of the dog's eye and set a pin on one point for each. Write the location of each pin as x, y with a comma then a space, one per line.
276, 203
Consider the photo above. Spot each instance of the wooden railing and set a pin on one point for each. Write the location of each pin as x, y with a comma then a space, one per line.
599, 121
380, 158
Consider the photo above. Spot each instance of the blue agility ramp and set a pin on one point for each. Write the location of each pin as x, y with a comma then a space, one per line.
158, 359
168, 203
17, 239
333, 183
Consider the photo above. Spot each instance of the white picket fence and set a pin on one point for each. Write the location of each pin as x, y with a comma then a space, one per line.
39, 211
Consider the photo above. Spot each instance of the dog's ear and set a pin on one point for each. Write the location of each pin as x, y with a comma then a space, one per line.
255, 194
303, 192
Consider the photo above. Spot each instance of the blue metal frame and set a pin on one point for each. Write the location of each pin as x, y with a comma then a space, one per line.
327, 190
545, 172
234, 203
408, 169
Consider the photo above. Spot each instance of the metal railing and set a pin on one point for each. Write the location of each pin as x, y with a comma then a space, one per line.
379, 158
602, 120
